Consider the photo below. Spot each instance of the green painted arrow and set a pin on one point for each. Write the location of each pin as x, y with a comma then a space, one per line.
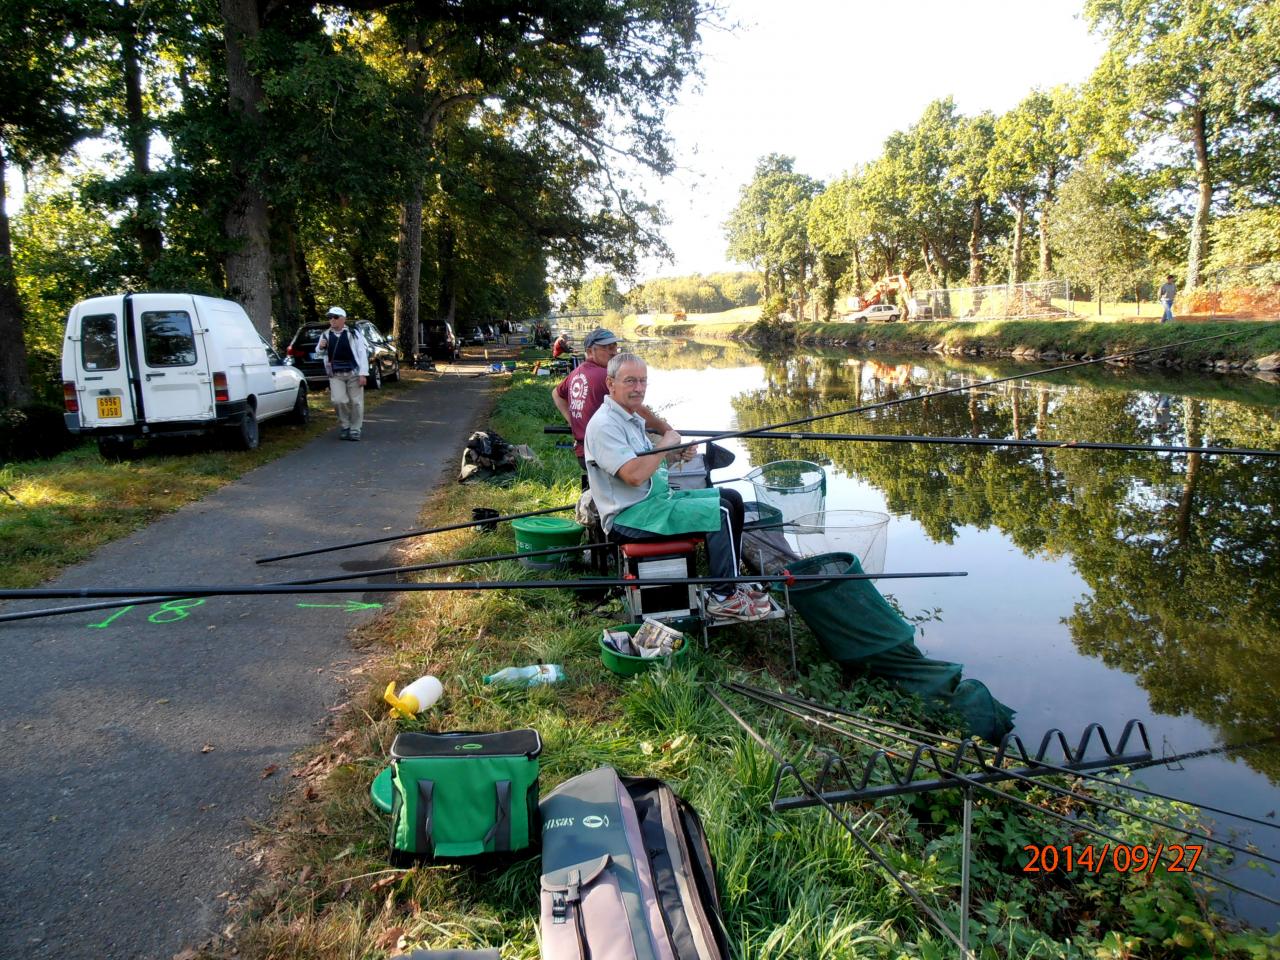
351, 606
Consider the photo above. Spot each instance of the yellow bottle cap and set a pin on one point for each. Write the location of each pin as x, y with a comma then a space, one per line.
406, 706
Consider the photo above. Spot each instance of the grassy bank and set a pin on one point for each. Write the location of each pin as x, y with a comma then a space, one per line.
793, 885
1246, 340
59, 511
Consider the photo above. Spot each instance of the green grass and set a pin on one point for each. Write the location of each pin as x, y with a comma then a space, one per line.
793, 885
59, 511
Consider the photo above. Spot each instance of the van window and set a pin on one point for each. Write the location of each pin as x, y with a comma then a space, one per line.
99, 346
167, 340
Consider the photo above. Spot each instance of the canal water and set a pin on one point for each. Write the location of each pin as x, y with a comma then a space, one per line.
1102, 585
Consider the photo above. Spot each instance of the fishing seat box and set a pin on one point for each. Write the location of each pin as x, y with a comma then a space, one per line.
461, 794
651, 559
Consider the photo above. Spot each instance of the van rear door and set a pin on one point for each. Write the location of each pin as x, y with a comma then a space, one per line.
173, 362
94, 358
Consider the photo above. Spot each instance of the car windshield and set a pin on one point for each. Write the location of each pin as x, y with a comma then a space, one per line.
309, 335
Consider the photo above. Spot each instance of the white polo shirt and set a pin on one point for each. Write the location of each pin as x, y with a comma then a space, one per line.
613, 439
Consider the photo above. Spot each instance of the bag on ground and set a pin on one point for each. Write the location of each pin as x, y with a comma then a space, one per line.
463, 794
627, 874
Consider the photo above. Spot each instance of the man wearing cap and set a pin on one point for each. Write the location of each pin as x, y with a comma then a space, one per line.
580, 394
346, 361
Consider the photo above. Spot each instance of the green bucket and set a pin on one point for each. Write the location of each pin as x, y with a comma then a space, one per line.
627, 666
542, 533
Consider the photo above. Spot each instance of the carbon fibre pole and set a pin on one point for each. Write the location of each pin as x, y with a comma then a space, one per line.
981, 442
264, 589
729, 435
415, 533
384, 571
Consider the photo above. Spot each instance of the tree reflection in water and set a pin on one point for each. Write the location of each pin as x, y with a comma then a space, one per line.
1179, 551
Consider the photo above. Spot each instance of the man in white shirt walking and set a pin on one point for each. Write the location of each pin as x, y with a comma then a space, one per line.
346, 361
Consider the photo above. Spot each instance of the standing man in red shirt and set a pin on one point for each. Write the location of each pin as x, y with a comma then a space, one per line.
579, 395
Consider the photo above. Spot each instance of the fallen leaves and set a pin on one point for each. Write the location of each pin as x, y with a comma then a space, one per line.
207, 748
269, 770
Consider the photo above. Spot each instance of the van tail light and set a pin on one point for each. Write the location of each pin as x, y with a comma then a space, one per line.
70, 399
289, 351
221, 393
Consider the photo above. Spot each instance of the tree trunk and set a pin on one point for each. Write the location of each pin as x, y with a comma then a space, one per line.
137, 132
284, 250
1046, 255
447, 299
409, 274
247, 223
15, 383
374, 292
1019, 222
1204, 197
975, 242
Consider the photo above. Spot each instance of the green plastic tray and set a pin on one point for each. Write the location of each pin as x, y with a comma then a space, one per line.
626, 666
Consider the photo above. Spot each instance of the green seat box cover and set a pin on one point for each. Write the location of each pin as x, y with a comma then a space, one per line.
463, 794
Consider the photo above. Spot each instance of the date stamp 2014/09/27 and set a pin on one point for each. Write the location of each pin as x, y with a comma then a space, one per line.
1121, 857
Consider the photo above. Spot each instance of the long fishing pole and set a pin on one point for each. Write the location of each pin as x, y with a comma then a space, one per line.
416, 533
384, 571
803, 713
940, 393
1001, 795
256, 589
866, 722
982, 442
850, 828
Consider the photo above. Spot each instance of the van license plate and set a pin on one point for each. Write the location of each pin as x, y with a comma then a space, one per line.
109, 407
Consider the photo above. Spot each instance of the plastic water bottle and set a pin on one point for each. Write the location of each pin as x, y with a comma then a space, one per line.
416, 697
530, 676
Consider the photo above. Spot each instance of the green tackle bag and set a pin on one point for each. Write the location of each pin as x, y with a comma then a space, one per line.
463, 794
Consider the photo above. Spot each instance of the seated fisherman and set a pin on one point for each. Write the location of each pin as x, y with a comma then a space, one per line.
629, 487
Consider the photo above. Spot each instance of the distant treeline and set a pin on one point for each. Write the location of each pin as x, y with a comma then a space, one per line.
696, 293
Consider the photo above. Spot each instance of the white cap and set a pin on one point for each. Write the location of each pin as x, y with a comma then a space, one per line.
336, 312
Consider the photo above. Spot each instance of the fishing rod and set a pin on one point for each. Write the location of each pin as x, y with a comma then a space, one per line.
961, 942
980, 442
804, 713
256, 589
866, 722
416, 533
941, 393
970, 783
384, 571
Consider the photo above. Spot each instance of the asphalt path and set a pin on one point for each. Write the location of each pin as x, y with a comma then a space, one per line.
133, 745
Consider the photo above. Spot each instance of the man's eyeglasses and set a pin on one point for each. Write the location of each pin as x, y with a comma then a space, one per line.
632, 381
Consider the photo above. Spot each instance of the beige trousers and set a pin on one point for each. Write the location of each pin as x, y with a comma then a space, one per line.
348, 400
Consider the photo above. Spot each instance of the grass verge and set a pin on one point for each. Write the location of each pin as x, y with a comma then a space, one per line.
793, 885
59, 511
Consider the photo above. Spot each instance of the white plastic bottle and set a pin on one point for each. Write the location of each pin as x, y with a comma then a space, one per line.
416, 697
530, 676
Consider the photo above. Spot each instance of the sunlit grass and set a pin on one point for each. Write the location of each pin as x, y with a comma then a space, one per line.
59, 511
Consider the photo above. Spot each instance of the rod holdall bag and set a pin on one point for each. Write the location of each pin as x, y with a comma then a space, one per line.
626, 873
463, 794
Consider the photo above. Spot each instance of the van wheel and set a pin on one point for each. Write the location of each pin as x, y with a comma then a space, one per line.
115, 448
301, 413
246, 434
375, 377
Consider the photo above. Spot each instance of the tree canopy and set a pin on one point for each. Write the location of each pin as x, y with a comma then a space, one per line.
416, 161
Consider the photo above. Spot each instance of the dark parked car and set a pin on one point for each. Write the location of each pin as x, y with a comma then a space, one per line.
384, 364
439, 342
476, 337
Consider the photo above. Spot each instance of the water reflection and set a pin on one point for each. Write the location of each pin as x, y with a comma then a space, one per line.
1177, 551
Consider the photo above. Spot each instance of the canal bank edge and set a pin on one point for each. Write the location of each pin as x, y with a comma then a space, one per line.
1254, 348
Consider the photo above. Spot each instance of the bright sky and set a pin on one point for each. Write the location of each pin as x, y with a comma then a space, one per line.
826, 81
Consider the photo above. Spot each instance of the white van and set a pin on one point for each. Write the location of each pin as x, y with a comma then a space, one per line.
142, 364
